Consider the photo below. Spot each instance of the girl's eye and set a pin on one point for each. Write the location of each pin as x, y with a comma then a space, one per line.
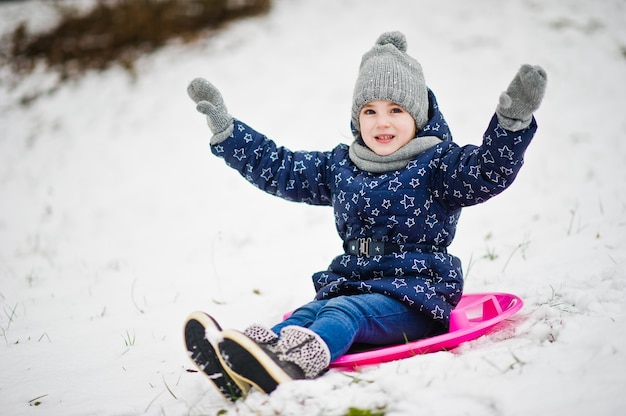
397, 110
369, 111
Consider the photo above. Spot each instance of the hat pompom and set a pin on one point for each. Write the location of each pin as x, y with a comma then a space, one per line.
396, 39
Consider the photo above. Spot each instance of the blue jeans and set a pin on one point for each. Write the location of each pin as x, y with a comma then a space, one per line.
367, 318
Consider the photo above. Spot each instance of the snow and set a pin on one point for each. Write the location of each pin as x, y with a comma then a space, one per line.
116, 222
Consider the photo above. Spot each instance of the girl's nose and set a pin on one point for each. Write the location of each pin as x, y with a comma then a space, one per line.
383, 121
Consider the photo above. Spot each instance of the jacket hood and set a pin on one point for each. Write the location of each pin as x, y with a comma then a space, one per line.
436, 124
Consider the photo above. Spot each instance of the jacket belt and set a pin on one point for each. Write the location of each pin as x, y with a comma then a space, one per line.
368, 248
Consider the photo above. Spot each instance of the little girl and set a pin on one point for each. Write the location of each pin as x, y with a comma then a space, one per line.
397, 193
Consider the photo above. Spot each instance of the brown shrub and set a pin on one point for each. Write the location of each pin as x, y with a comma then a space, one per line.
118, 31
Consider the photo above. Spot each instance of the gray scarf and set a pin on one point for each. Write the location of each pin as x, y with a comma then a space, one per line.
367, 160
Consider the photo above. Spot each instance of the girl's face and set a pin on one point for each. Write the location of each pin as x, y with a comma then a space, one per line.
385, 127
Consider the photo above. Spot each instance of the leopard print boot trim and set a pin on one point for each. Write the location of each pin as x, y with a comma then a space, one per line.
304, 348
261, 335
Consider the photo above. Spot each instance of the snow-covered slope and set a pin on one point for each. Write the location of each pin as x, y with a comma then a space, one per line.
116, 222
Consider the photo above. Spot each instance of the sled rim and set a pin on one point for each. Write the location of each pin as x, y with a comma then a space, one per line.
465, 326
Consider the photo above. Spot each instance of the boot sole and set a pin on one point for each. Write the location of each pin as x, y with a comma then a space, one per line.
251, 362
207, 359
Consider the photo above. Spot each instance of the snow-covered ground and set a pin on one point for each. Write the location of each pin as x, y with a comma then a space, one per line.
116, 222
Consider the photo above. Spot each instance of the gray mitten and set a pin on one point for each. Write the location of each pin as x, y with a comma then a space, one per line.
210, 103
522, 98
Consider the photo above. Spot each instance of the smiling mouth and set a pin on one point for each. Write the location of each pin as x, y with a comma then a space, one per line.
384, 138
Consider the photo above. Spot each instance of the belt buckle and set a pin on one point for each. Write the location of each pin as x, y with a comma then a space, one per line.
364, 246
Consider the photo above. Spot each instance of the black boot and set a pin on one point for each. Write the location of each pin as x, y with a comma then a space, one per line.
206, 358
298, 354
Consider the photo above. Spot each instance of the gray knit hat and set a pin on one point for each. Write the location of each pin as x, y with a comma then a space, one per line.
388, 73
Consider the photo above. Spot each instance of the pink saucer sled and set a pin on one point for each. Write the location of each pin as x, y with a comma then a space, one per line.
474, 316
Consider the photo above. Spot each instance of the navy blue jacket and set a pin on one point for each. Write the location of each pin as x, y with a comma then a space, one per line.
415, 208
